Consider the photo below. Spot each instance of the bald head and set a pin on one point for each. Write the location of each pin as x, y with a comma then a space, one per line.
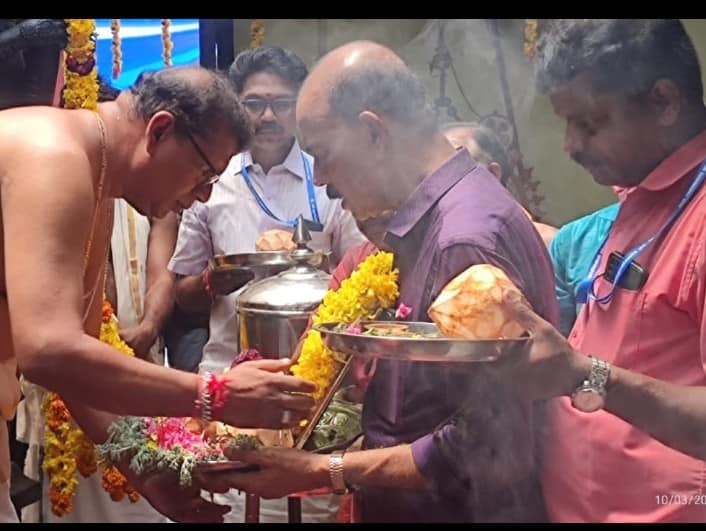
352, 58
363, 115
364, 76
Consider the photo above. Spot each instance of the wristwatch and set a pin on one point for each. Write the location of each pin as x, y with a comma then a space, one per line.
335, 471
590, 395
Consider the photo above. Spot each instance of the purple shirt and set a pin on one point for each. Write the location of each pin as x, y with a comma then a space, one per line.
478, 459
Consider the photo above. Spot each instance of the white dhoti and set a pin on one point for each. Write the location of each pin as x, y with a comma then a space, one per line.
30, 430
128, 246
93, 504
7, 511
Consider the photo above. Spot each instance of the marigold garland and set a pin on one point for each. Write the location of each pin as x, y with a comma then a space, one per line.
257, 32
371, 288
115, 47
80, 73
531, 30
167, 44
68, 450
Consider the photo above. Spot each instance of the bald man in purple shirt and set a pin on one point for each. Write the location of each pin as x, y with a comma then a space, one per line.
441, 444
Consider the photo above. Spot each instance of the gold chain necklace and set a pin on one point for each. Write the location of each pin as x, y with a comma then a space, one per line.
89, 297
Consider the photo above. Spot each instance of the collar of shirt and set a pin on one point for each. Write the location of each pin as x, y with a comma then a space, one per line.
292, 163
677, 165
429, 192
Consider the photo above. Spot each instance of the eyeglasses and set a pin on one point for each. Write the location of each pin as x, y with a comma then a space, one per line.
216, 174
279, 106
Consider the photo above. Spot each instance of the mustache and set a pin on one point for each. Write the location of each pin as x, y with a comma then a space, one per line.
332, 193
269, 127
584, 160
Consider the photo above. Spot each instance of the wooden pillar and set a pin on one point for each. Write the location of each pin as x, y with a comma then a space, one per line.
216, 38
294, 509
252, 509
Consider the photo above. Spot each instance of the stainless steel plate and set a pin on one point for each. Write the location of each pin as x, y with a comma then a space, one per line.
436, 349
267, 263
263, 264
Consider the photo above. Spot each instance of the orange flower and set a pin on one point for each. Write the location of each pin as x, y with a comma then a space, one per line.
58, 410
107, 311
85, 457
132, 494
115, 484
60, 502
86, 468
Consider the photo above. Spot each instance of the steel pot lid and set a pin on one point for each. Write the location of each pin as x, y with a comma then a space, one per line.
299, 289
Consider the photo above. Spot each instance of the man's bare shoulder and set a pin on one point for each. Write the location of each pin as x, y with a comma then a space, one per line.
41, 128
43, 141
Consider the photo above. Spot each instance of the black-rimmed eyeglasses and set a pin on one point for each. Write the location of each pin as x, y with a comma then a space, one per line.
216, 175
280, 106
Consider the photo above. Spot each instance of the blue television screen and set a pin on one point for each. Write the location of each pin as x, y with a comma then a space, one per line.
141, 46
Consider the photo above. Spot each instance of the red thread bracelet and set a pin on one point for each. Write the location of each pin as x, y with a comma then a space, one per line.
218, 391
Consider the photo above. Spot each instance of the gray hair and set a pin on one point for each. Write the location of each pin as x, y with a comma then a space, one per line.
625, 56
489, 143
200, 103
392, 91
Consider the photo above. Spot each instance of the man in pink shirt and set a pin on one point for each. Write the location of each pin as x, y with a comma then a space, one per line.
627, 438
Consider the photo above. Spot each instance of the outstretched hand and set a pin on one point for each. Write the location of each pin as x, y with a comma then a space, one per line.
551, 367
180, 504
261, 396
280, 471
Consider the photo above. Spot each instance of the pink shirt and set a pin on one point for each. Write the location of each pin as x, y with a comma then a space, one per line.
599, 468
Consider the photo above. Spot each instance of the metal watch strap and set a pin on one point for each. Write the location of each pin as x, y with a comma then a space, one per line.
335, 470
203, 402
600, 372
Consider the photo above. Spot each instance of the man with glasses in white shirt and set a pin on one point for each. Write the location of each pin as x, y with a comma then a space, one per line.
254, 206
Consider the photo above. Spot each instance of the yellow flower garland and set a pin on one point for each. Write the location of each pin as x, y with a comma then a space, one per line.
115, 47
371, 288
68, 450
257, 33
531, 30
80, 74
167, 44
63, 440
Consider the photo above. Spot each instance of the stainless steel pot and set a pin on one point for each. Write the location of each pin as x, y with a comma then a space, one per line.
273, 312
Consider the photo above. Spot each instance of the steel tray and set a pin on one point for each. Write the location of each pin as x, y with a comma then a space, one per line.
437, 349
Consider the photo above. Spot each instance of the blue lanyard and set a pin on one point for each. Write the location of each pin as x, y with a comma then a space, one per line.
584, 288
584, 291
310, 192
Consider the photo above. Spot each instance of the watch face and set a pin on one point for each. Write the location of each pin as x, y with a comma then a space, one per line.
588, 400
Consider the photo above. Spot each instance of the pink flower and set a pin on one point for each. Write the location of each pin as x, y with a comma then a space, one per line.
170, 432
354, 329
403, 311
246, 355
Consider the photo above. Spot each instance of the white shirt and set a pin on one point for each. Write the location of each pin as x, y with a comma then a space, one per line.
230, 223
